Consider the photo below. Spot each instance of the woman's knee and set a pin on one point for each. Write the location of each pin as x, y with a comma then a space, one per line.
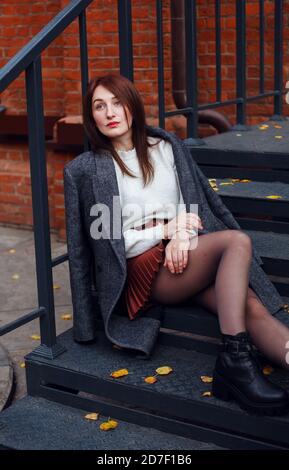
241, 240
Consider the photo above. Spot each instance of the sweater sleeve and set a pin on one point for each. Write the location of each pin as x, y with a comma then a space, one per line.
139, 241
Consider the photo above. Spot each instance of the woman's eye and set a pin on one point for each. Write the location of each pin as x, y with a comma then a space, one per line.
99, 107
117, 103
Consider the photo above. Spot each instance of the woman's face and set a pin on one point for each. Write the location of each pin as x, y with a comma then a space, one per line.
109, 114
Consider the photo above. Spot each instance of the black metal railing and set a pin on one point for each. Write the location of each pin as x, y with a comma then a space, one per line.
191, 108
28, 59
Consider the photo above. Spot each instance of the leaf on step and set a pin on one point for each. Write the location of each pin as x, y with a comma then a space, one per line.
110, 424
22, 365
56, 286
119, 373
245, 181
264, 127
92, 416
150, 380
66, 316
267, 370
277, 126
227, 184
15, 277
12, 250
36, 337
273, 196
235, 180
215, 189
238, 135
208, 393
164, 370
278, 136
206, 379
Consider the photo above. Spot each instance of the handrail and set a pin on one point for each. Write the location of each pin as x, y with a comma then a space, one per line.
33, 49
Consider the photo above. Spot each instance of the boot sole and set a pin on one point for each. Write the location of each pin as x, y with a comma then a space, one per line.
225, 391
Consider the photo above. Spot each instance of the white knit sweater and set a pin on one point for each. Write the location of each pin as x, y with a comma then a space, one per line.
161, 199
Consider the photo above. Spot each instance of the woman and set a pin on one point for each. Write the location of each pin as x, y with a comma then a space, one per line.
158, 257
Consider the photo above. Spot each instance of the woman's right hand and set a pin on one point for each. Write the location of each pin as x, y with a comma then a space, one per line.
184, 220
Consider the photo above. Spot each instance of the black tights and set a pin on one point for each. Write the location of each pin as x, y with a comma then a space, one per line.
217, 277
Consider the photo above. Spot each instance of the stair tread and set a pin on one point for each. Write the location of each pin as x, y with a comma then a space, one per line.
35, 423
269, 244
100, 359
254, 189
254, 140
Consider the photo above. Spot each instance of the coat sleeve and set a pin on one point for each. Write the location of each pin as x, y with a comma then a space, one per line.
80, 263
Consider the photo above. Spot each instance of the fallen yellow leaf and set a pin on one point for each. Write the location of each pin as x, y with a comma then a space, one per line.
236, 180
207, 394
267, 370
206, 379
111, 424
119, 373
285, 306
245, 181
15, 277
273, 196
22, 365
263, 128
277, 126
35, 337
56, 286
278, 136
216, 189
165, 370
66, 316
226, 184
150, 380
92, 416
12, 250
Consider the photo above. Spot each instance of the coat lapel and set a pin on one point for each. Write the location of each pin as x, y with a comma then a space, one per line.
105, 187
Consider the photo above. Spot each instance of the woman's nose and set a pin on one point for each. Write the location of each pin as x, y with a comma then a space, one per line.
109, 111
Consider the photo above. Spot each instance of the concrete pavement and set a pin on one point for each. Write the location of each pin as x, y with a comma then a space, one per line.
18, 293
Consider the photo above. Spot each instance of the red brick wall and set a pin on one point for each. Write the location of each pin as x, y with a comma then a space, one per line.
22, 19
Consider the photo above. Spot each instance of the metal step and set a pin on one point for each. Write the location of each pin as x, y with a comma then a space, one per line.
173, 404
258, 153
38, 424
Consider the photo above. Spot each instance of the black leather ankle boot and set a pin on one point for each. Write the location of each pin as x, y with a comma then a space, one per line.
238, 376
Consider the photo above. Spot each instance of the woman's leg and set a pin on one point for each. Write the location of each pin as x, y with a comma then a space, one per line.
267, 333
222, 257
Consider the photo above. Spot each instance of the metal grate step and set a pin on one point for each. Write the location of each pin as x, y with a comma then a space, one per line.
172, 399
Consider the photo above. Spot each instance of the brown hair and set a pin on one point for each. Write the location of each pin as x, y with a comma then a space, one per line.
128, 95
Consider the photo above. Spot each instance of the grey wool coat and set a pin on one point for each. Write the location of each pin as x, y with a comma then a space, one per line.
89, 179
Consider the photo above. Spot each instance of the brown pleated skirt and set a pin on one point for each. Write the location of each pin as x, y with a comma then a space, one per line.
141, 271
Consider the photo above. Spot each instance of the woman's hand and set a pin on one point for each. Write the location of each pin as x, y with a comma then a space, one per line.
184, 220
176, 253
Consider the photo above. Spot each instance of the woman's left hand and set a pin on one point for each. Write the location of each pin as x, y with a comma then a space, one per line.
176, 253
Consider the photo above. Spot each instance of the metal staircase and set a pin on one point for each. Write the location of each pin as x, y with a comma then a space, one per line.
78, 376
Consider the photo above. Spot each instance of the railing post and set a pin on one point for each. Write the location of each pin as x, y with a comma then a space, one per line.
48, 348
125, 39
83, 65
241, 91
191, 72
278, 61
